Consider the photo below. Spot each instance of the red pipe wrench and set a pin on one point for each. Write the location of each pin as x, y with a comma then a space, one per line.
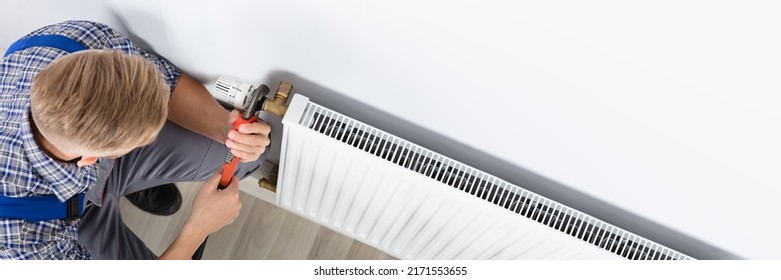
256, 99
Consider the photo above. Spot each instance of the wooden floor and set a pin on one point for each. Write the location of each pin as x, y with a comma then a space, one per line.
262, 231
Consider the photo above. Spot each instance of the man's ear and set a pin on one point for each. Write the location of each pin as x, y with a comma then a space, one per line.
86, 160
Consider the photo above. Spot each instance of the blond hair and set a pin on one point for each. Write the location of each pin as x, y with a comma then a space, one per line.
101, 100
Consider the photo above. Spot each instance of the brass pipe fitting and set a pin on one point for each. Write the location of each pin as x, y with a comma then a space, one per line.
278, 106
270, 183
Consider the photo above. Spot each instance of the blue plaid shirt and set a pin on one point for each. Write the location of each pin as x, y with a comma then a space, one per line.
24, 169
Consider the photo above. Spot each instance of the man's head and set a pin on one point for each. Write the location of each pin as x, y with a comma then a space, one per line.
99, 103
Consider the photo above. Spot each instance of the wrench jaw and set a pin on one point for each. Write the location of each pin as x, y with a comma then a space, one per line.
256, 99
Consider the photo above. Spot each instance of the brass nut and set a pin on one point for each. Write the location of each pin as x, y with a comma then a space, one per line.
284, 90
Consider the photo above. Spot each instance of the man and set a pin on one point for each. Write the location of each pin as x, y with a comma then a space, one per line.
84, 112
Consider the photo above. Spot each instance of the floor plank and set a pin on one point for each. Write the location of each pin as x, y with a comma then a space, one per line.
330, 245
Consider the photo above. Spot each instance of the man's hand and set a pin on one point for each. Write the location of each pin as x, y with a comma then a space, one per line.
212, 210
250, 141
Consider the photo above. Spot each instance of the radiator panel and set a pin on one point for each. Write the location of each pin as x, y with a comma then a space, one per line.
413, 203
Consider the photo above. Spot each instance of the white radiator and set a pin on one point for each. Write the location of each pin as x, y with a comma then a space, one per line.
413, 203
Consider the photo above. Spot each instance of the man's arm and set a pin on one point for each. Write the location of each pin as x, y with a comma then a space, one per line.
192, 107
212, 210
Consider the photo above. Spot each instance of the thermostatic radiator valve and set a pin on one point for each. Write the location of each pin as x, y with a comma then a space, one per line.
239, 94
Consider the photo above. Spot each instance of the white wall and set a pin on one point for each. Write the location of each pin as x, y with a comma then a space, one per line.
666, 111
